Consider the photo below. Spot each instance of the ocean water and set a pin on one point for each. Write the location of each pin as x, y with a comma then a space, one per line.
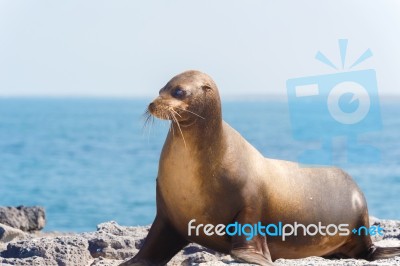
89, 161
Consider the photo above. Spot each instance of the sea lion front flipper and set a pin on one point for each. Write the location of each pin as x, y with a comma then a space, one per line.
160, 245
254, 250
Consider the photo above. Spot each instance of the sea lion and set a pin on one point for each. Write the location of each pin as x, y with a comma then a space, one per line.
210, 173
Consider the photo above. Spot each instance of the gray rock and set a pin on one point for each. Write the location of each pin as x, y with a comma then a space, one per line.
113, 241
23, 218
8, 233
391, 229
28, 262
105, 262
318, 261
199, 257
194, 254
61, 251
111, 244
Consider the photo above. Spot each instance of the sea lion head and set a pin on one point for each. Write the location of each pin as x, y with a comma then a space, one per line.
187, 97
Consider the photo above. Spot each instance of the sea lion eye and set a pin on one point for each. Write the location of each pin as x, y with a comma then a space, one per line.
178, 93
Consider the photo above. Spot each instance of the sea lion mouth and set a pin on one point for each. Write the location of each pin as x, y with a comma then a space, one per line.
180, 118
173, 113
165, 112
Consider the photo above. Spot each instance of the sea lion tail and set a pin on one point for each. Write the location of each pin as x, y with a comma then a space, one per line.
379, 253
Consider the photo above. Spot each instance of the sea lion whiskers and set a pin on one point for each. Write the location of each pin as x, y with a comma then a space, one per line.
190, 112
175, 112
148, 120
179, 127
171, 127
163, 112
185, 125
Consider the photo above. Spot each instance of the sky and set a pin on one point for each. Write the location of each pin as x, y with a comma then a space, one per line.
132, 48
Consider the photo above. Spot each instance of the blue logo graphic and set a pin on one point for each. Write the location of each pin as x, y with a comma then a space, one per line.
341, 104
374, 230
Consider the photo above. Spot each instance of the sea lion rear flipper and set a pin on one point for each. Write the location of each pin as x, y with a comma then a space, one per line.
254, 250
380, 253
160, 245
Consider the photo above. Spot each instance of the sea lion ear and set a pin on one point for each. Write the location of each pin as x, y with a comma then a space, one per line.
206, 88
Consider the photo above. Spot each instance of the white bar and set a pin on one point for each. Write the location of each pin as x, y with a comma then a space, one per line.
307, 90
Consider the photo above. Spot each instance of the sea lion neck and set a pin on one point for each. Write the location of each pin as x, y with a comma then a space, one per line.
204, 128
202, 142
199, 134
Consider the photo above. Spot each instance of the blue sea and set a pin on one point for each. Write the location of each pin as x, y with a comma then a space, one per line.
89, 161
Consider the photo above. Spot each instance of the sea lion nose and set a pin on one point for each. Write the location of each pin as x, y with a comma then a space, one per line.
151, 106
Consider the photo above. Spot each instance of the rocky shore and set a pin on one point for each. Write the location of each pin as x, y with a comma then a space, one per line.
111, 244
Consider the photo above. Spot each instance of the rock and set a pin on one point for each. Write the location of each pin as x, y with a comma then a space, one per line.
199, 257
391, 229
194, 254
318, 261
27, 262
61, 251
8, 233
105, 262
113, 241
23, 218
112, 244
